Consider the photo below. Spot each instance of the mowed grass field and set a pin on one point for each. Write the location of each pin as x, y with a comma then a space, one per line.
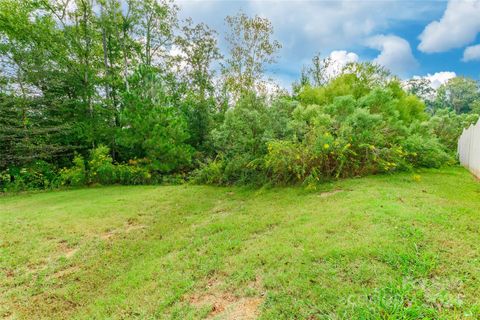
381, 247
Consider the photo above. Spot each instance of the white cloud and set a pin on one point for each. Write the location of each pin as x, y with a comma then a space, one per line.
395, 53
471, 53
459, 26
438, 78
338, 60
342, 57
307, 27
334, 24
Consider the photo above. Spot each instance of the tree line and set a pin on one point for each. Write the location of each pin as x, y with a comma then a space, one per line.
123, 91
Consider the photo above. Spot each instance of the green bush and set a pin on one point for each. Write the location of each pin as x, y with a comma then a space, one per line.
102, 170
209, 173
241, 138
343, 129
100, 167
448, 126
76, 175
38, 175
425, 152
287, 162
131, 174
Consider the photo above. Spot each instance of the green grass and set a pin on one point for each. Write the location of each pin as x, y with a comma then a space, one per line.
381, 247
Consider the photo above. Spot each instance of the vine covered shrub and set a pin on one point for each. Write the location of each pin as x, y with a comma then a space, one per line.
378, 133
241, 140
360, 122
287, 162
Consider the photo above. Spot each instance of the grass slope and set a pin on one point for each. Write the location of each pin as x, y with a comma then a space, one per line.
381, 247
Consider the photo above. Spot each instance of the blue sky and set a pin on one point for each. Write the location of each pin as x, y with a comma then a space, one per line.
412, 38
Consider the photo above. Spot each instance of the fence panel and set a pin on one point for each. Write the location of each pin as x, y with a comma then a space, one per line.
469, 148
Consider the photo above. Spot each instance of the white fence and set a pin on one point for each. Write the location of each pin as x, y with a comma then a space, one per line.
469, 148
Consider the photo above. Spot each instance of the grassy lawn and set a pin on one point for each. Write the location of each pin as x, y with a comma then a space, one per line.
381, 247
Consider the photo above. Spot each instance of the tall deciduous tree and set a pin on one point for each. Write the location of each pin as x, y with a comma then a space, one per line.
197, 53
251, 50
459, 94
155, 31
319, 71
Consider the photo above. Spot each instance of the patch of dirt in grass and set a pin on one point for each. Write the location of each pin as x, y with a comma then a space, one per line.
221, 207
9, 273
67, 250
51, 304
133, 227
226, 305
7, 315
130, 226
63, 250
70, 252
329, 193
65, 272
246, 308
37, 267
217, 300
107, 235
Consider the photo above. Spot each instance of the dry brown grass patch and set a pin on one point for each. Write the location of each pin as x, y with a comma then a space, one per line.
227, 305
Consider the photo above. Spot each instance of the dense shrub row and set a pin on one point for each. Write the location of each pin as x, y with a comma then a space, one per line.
169, 105
99, 169
343, 129
359, 123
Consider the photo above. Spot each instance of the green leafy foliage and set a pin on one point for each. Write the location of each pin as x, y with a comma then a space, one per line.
448, 126
37, 175
135, 92
100, 166
341, 129
75, 175
459, 94
102, 170
152, 125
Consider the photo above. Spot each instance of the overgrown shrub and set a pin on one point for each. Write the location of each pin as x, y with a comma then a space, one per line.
102, 170
447, 125
75, 175
361, 122
129, 174
209, 173
100, 167
425, 152
38, 175
343, 129
287, 162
